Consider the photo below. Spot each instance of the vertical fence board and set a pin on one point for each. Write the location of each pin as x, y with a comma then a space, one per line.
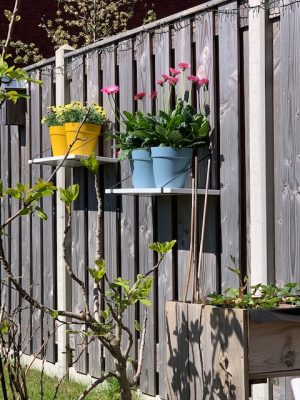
92, 90
146, 236
111, 177
287, 161
229, 143
128, 215
26, 235
287, 148
36, 244
183, 52
164, 226
205, 65
79, 226
108, 65
49, 247
15, 225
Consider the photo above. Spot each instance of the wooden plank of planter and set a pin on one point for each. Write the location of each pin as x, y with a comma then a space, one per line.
128, 238
205, 67
49, 228
93, 95
263, 360
229, 144
216, 341
183, 50
36, 244
177, 331
26, 236
163, 223
146, 234
111, 177
79, 225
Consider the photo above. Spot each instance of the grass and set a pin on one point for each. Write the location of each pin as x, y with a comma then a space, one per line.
69, 390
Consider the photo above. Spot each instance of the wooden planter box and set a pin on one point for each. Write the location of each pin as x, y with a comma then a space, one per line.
215, 352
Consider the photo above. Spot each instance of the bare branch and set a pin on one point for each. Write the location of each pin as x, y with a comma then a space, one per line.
11, 27
96, 383
137, 375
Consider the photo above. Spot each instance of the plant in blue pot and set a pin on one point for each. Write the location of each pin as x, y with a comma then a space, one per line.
178, 131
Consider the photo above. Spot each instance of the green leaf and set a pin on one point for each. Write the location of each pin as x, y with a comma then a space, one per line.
25, 211
8, 14
68, 195
146, 302
91, 163
41, 213
137, 326
54, 314
4, 327
162, 248
13, 193
99, 272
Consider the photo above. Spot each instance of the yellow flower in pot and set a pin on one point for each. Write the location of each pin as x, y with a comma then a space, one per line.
87, 137
55, 122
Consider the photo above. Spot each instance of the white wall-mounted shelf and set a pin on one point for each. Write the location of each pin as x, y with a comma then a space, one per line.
72, 161
160, 191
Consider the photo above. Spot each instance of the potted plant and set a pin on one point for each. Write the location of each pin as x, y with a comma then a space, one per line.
72, 115
230, 339
64, 122
55, 122
160, 145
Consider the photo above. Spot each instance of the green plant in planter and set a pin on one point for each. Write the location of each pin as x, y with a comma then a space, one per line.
261, 295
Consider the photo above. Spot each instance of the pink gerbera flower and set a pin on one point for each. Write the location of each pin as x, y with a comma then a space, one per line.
193, 78
174, 71
139, 96
165, 77
184, 66
173, 80
112, 89
160, 82
153, 95
203, 81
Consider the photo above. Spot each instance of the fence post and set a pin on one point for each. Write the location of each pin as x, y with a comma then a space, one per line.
61, 181
260, 224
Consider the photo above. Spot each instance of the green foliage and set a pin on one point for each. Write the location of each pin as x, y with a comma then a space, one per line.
29, 196
91, 163
98, 272
7, 75
261, 295
69, 195
81, 22
162, 248
4, 327
54, 314
183, 127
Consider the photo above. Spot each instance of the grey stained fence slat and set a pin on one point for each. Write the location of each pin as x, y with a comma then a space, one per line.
287, 165
15, 225
183, 53
163, 226
128, 218
79, 225
26, 234
92, 90
205, 67
145, 221
36, 243
48, 227
229, 79
110, 178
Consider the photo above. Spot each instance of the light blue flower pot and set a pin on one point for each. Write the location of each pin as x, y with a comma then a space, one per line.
170, 166
142, 170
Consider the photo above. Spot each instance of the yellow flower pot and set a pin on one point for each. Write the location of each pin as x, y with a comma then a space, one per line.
58, 140
86, 141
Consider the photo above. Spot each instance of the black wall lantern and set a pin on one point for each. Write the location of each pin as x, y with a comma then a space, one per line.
10, 113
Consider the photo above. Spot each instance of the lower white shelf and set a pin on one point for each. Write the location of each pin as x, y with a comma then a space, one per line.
160, 191
71, 161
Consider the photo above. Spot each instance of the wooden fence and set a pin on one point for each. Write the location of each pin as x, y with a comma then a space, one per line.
213, 38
